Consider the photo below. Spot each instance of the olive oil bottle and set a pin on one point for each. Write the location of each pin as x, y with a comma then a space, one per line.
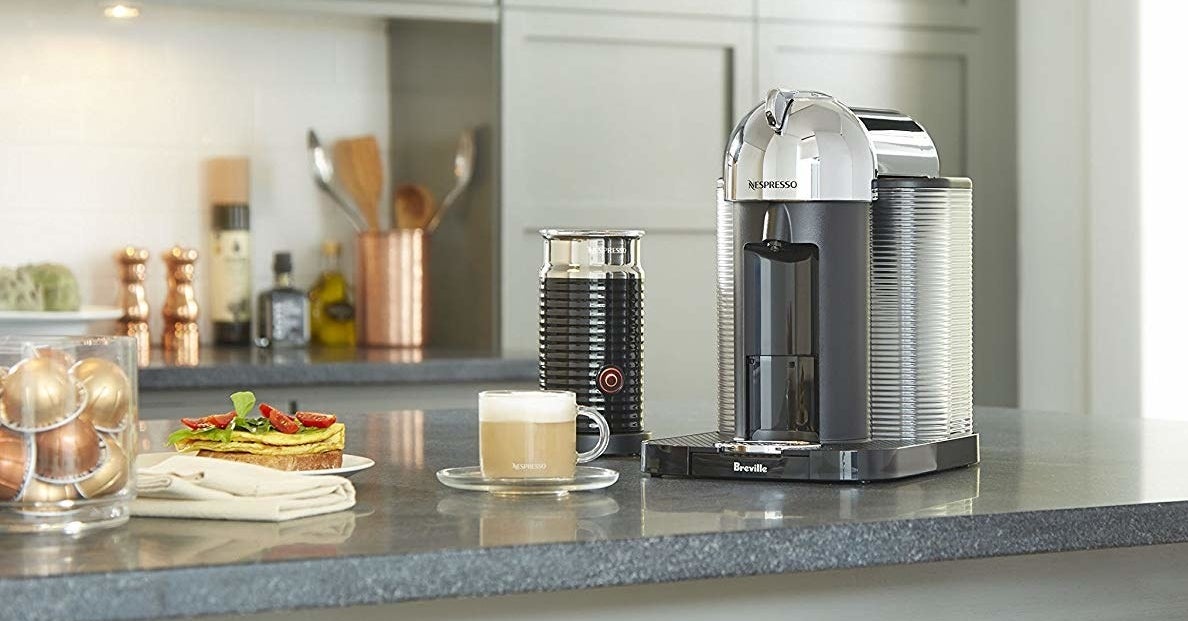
332, 314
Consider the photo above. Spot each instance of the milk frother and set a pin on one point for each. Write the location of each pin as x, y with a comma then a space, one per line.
591, 329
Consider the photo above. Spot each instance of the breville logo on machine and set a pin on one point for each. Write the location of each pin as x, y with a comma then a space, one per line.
783, 184
757, 468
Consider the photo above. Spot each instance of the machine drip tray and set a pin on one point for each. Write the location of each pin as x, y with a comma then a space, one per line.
709, 455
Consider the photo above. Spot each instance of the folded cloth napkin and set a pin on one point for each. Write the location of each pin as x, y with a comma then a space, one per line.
187, 486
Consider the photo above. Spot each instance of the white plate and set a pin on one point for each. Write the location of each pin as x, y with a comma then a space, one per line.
63, 323
350, 464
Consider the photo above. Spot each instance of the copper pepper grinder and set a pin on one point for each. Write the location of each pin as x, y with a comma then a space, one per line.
133, 301
180, 338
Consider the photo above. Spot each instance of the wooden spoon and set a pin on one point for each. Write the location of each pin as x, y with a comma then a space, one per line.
358, 163
413, 206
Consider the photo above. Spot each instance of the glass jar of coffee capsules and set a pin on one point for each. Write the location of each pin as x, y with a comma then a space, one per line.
68, 411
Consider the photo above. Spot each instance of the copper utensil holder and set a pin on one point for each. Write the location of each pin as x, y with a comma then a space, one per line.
393, 288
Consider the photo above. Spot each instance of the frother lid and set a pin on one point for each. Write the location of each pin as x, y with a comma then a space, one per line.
806, 145
591, 233
584, 252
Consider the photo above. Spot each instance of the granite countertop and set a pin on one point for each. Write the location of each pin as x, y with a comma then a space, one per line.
221, 367
1047, 483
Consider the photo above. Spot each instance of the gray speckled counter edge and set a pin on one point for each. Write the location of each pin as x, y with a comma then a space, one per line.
341, 373
550, 567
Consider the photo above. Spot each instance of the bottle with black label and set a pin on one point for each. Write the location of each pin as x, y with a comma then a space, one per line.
283, 311
230, 265
331, 313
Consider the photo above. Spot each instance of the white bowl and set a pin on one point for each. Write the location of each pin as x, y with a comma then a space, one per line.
87, 320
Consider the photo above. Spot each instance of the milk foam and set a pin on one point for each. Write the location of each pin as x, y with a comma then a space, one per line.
526, 406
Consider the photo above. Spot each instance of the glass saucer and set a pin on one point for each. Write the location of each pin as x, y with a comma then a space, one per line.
471, 478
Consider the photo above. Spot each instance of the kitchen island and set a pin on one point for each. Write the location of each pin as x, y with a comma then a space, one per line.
1047, 484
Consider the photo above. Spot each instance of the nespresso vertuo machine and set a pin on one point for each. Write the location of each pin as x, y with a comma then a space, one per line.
844, 302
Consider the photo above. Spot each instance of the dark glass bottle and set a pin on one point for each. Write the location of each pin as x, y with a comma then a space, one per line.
283, 311
231, 275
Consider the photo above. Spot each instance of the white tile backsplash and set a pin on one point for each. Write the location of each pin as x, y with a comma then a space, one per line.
104, 126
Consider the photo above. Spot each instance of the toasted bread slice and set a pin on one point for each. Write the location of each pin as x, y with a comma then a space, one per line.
308, 461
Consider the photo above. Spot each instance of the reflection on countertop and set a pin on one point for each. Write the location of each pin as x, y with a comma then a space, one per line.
220, 367
667, 510
509, 521
1046, 483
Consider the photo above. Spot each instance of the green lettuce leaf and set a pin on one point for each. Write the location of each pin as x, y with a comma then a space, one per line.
243, 401
253, 425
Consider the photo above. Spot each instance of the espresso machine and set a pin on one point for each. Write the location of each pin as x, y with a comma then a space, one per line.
844, 283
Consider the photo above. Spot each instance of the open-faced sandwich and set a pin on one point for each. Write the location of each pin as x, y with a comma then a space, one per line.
303, 441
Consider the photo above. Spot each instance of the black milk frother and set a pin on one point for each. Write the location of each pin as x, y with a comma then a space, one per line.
591, 329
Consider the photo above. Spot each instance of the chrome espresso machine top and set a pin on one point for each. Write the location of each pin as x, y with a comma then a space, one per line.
844, 302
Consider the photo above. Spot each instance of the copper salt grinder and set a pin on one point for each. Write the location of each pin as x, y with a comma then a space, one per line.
180, 338
133, 301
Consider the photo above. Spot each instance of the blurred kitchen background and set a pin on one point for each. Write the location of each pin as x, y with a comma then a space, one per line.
613, 114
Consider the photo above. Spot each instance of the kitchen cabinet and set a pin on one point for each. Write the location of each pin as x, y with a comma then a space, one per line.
618, 121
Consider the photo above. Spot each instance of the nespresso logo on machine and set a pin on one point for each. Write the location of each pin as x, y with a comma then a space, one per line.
782, 184
759, 468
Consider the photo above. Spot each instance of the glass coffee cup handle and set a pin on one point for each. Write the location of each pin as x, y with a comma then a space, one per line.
603, 434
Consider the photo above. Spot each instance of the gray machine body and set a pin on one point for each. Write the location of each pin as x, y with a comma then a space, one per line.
797, 360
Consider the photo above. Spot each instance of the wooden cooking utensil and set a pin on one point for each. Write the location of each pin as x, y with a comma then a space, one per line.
413, 206
357, 162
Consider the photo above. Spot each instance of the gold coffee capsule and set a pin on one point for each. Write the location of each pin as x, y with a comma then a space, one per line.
15, 451
112, 473
40, 491
38, 393
107, 392
67, 453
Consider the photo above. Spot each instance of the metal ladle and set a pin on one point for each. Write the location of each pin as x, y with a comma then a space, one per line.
323, 173
463, 172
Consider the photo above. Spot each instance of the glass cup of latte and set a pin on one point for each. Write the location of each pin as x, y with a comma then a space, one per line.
532, 434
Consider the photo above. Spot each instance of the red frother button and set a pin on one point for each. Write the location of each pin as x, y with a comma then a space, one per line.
610, 380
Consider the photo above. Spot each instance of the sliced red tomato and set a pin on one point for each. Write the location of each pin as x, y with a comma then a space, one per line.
316, 419
280, 421
206, 422
221, 420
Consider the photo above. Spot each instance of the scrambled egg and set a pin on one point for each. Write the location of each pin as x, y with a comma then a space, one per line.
310, 441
